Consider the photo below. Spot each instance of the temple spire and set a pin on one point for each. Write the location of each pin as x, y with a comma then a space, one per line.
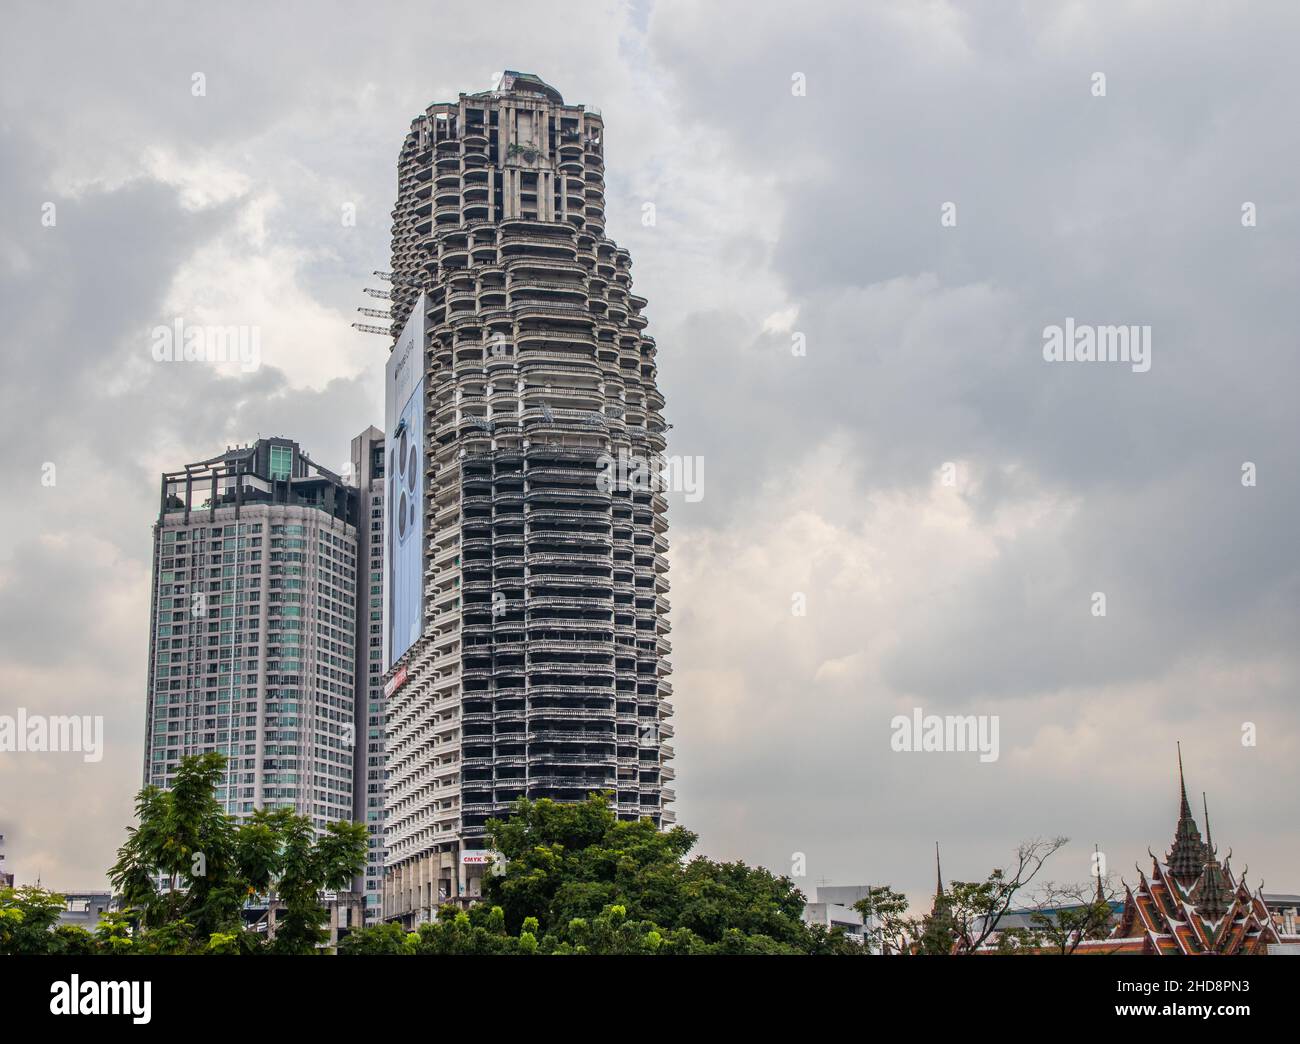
1210, 853
1185, 809
1211, 893
1101, 927
940, 907
1187, 856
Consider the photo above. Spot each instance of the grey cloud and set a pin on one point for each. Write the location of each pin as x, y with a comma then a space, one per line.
924, 346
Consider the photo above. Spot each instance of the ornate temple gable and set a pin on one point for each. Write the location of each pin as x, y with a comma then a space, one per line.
1167, 895
1167, 914
1191, 904
1127, 925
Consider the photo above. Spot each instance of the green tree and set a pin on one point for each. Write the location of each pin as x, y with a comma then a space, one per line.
72, 940
1065, 915
303, 865
186, 837
27, 915
379, 940
113, 935
975, 909
886, 925
479, 931
594, 883
212, 866
611, 933
936, 932
834, 942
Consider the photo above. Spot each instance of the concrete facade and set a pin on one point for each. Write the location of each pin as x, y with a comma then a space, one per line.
368, 765
542, 669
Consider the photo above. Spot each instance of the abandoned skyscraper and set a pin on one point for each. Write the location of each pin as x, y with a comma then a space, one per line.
525, 593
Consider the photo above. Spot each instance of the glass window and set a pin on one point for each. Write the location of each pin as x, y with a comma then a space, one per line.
281, 462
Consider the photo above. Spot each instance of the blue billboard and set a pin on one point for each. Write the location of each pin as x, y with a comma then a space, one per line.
404, 489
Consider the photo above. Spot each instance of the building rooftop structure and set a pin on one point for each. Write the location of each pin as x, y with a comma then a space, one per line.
84, 909
270, 471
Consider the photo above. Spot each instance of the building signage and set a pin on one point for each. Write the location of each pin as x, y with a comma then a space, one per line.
395, 682
404, 489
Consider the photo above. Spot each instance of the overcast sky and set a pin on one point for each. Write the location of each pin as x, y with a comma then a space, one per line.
778, 213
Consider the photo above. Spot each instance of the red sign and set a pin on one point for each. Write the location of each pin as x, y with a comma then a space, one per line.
395, 682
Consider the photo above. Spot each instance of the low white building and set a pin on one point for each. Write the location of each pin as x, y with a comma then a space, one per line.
832, 907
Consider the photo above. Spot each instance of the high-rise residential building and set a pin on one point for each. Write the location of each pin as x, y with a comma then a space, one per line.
252, 644
526, 585
6, 879
368, 764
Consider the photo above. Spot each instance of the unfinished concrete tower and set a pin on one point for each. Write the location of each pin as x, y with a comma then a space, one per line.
540, 666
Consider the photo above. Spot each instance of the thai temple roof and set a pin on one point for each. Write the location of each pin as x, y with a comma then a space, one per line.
1190, 904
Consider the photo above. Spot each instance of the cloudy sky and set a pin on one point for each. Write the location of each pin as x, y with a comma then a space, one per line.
784, 216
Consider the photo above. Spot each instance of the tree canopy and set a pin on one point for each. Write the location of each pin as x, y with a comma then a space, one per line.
188, 869
573, 878
569, 878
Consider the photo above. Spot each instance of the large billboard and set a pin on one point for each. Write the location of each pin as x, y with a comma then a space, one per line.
404, 489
